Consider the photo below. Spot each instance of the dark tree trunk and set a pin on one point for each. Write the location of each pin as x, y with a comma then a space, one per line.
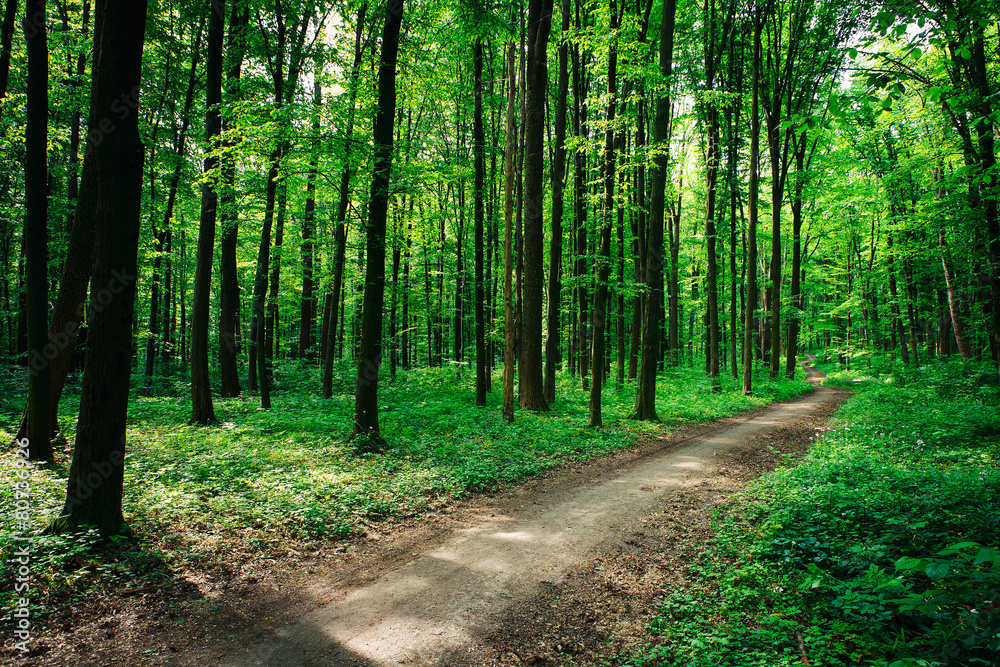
36, 231
307, 312
479, 141
795, 296
229, 297
96, 477
652, 321
603, 259
6, 41
558, 168
539, 23
751, 297
957, 322
711, 180
639, 245
202, 410
580, 215
366, 424
897, 319
509, 352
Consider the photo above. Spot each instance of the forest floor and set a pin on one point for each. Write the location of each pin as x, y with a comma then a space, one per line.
561, 569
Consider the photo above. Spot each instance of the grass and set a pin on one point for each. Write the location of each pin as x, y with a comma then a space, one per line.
881, 547
266, 482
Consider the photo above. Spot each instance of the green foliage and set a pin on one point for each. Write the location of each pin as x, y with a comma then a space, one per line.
266, 481
880, 548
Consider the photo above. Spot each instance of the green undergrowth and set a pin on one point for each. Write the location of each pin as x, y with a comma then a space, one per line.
266, 482
881, 547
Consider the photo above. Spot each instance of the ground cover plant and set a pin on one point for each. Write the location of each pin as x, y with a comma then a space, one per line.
881, 547
268, 482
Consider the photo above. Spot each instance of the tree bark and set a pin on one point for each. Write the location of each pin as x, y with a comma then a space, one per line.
509, 353
603, 260
366, 425
558, 168
479, 141
229, 298
36, 230
751, 298
202, 410
96, 477
539, 24
652, 321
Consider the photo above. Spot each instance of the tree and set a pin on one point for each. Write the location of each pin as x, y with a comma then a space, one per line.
370, 355
652, 321
552, 353
36, 229
751, 305
96, 477
536, 82
604, 241
479, 141
202, 411
510, 333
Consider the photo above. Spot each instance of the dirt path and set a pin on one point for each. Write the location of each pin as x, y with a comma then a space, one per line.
478, 595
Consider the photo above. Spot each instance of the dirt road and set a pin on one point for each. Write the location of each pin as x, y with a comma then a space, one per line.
474, 596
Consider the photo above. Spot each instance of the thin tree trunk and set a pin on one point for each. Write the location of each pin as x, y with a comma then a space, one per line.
229, 298
202, 410
366, 425
751, 294
479, 141
508, 264
558, 168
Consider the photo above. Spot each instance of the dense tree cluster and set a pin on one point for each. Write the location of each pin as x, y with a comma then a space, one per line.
595, 188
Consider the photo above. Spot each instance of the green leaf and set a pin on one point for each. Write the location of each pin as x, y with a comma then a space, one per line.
987, 555
937, 571
908, 563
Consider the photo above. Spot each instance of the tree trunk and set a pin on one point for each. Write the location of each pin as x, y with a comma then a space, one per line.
508, 259
36, 231
795, 296
229, 298
366, 426
953, 304
479, 141
202, 411
539, 24
558, 168
603, 260
6, 42
751, 297
307, 313
96, 477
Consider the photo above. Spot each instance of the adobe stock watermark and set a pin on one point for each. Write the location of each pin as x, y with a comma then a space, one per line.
20, 615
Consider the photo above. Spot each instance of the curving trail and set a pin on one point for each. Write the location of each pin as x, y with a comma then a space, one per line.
451, 594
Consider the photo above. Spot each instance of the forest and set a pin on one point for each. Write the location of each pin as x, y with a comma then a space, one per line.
278, 275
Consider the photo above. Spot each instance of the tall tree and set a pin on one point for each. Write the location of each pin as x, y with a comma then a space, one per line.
652, 320
202, 410
36, 228
366, 424
479, 140
229, 293
536, 85
604, 240
510, 334
96, 477
751, 305
552, 352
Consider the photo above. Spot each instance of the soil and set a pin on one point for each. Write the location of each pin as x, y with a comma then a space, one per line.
560, 570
